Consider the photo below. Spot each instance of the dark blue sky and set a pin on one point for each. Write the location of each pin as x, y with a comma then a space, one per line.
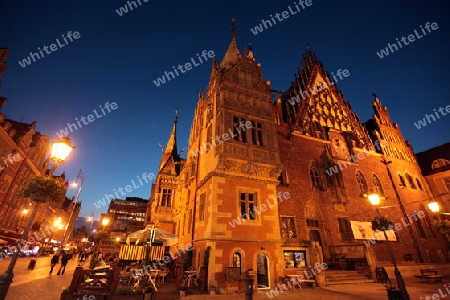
117, 58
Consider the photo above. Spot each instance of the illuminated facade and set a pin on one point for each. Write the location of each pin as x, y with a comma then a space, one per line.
281, 194
435, 165
126, 216
24, 153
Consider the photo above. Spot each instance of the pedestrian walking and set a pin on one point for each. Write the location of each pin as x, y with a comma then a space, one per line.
64, 261
53, 262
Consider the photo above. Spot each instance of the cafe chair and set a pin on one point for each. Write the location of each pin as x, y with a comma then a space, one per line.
192, 280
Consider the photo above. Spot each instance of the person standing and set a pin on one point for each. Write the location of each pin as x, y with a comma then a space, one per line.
64, 261
53, 262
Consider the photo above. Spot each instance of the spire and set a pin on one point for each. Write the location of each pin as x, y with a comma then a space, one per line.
171, 152
232, 54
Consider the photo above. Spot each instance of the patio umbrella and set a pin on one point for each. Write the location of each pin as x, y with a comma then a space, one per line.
3, 242
167, 238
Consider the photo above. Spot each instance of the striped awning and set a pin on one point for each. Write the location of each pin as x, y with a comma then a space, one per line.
133, 252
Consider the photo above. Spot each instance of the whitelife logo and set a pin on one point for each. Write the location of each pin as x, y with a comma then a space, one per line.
89, 119
280, 17
124, 9
128, 189
423, 123
411, 38
220, 139
161, 80
27, 61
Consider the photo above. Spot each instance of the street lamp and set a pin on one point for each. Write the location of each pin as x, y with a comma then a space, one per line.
434, 207
105, 222
375, 201
60, 150
75, 201
403, 210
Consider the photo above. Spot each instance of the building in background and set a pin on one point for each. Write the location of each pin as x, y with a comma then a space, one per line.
276, 187
435, 165
123, 217
24, 153
127, 215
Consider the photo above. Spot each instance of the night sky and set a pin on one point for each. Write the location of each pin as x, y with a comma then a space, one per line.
117, 58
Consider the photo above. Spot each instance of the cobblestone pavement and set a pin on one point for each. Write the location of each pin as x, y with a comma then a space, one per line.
365, 291
38, 284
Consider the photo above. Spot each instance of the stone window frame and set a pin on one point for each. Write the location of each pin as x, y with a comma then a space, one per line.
285, 234
362, 183
314, 175
377, 184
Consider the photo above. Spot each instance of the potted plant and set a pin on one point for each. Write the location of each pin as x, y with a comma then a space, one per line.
442, 226
382, 223
212, 290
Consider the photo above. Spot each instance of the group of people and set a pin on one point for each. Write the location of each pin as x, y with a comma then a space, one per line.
83, 255
55, 260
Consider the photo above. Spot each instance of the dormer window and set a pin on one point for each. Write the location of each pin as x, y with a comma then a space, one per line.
440, 163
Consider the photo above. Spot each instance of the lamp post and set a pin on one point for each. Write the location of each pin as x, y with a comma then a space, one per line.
90, 219
60, 151
403, 210
79, 181
375, 201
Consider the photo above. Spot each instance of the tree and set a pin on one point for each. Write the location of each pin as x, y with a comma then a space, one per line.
40, 189
43, 189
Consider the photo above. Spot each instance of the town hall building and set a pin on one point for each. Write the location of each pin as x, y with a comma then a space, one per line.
278, 183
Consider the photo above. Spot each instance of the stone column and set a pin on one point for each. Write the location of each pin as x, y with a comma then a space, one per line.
317, 256
371, 258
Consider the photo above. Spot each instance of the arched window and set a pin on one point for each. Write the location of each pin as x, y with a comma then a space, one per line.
377, 184
315, 176
402, 180
237, 260
410, 181
439, 163
419, 185
361, 183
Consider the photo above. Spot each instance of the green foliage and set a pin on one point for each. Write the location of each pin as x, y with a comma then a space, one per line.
382, 223
43, 189
442, 226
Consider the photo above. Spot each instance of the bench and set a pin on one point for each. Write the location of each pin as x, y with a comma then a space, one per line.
429, 274
307, 277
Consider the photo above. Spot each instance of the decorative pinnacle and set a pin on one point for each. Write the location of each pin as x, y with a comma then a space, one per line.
233, 26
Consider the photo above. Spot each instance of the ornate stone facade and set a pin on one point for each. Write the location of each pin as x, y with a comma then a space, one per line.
270, 197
